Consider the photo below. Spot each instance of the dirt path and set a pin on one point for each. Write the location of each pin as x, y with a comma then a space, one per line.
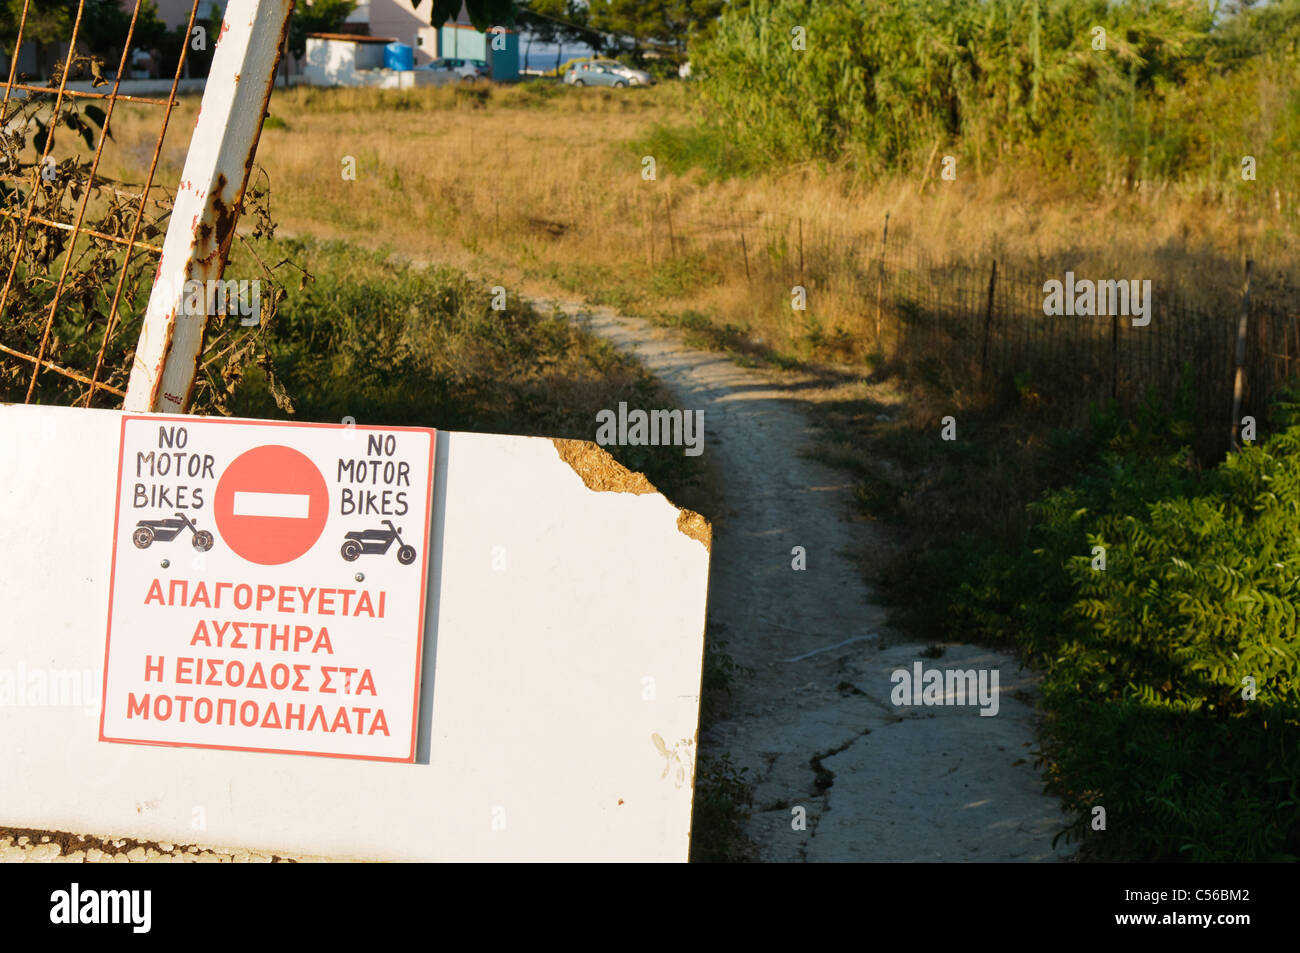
813, 723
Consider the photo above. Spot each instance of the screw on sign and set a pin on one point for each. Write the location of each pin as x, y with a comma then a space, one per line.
271, 505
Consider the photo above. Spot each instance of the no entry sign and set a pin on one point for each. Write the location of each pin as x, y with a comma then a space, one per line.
271, 504
268, 586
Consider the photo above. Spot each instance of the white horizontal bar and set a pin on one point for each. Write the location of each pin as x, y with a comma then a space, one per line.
288, 505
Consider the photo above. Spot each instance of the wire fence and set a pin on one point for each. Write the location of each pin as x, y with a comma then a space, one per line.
68, 233
986, 328
976, 326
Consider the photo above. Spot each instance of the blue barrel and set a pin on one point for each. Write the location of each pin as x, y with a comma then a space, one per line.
399, 56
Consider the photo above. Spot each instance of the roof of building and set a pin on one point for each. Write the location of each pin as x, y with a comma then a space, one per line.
469, 26
351, 38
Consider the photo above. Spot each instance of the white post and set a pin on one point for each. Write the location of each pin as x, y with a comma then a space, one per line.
207, 202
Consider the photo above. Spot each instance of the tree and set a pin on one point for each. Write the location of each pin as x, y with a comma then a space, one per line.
482, 13
558, 22
544, 20
537, 18
684, 18
651, 23
104, 24
47, 22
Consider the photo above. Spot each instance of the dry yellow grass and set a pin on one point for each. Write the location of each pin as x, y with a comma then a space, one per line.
546, 190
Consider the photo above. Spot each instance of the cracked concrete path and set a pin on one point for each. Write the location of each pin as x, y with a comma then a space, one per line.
895, 783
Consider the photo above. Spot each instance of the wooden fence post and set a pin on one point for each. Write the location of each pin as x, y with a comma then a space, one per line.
880, 277
672, 239
802, 283
744, 250
988, 320
650, 228
1238, 381
926, 174
1267, 360
1114, 357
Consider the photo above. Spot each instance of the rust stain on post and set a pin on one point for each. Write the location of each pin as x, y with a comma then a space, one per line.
202, 230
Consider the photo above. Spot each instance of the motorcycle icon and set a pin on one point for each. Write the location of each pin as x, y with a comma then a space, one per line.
146, 531
376, 542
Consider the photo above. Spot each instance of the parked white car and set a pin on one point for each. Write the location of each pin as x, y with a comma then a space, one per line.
635, 77
606, 73
465, 69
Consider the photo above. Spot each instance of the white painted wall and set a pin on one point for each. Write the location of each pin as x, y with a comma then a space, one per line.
339, 63
426, 45
336, 62
532, 699
406, 78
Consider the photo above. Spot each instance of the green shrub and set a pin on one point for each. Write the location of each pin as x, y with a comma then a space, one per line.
702, 146
1177, 87
1146, 663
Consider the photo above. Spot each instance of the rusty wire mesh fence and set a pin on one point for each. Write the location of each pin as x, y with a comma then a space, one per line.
79, 248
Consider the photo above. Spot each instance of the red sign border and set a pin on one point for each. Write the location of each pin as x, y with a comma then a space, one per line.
424, 590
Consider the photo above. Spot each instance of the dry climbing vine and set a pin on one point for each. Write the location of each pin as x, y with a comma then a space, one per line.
76, 305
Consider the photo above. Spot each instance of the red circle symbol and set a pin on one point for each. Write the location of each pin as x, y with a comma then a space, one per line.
271, 505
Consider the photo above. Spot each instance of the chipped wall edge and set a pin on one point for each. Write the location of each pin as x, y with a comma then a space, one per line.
601, 473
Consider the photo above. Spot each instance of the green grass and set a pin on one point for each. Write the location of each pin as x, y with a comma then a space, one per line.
682, 147
723, 795
1179, 92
